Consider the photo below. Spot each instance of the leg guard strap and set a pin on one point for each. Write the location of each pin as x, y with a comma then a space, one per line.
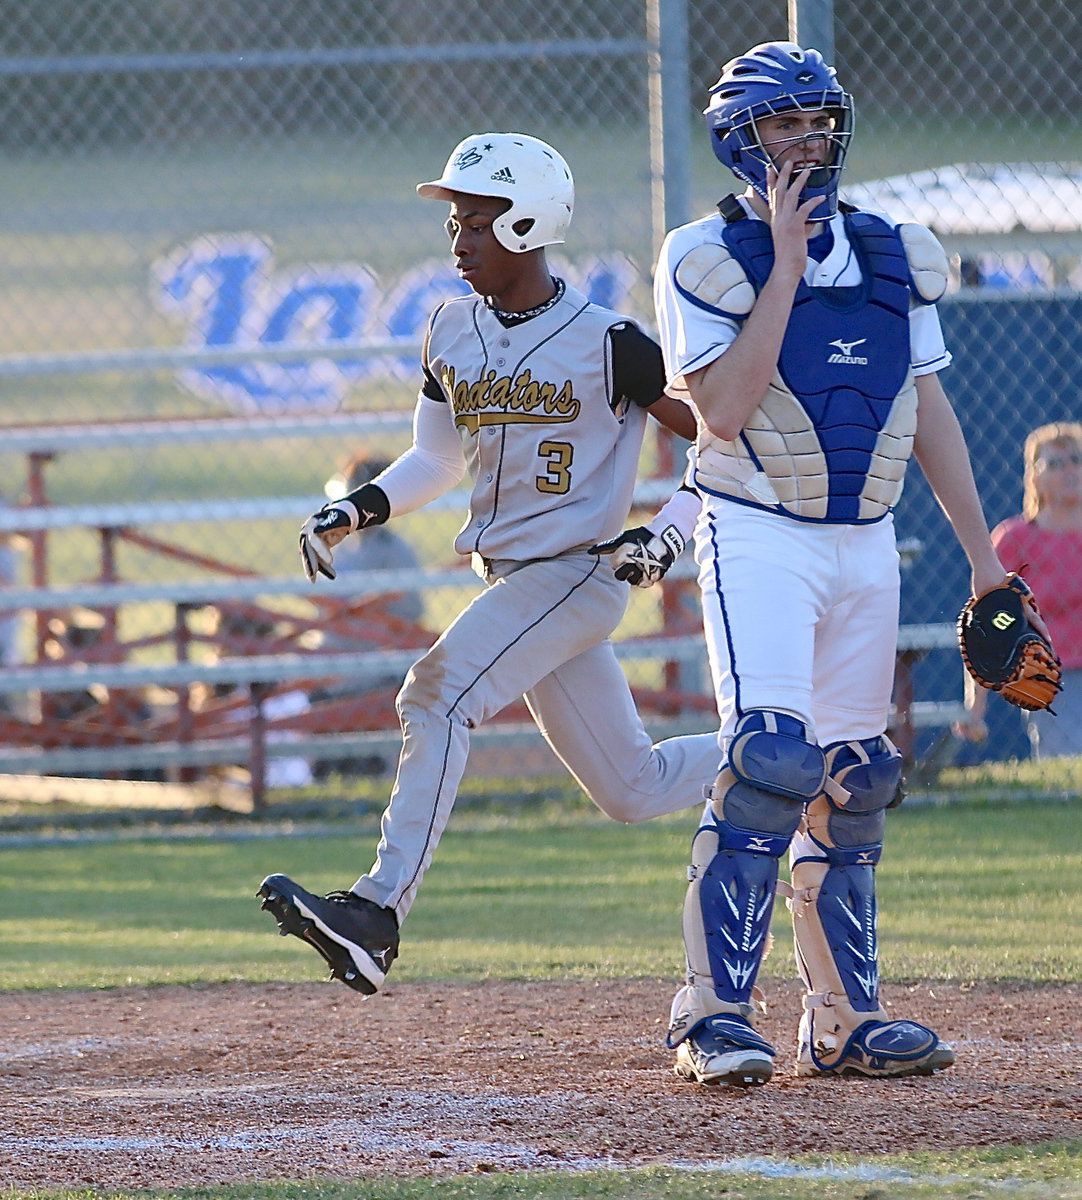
868, 775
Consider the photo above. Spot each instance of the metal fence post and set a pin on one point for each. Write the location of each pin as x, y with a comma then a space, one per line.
811, 24
670, 107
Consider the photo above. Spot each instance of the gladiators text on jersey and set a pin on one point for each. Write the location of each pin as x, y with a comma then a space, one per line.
499, 400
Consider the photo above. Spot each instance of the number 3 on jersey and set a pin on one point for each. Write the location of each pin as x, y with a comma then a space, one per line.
557, 478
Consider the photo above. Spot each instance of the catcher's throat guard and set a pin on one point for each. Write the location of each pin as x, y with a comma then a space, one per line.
1002, 650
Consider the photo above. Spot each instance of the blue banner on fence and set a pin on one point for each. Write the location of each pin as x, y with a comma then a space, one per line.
229, 293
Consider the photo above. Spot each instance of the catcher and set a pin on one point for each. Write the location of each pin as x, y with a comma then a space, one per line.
804, 332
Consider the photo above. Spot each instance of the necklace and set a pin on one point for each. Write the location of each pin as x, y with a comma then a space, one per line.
516, 318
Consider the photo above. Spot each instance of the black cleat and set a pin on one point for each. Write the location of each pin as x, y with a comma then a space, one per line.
357, 939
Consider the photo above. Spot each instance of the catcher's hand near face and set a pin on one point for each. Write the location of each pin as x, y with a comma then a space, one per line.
323, 530
1005, 645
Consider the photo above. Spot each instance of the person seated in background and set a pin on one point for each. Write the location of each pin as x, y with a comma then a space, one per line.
92, 715
75, 637
1044, 542
381, 549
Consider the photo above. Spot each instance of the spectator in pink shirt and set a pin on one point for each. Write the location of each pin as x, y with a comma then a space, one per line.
1044, 544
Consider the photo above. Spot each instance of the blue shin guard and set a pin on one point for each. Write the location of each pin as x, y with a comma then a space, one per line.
844, 1028
756, 805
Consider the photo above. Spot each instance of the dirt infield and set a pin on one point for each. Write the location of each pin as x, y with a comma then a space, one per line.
158, 1087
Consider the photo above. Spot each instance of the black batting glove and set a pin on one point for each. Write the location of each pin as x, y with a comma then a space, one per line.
641, 557
317, 544
323, 530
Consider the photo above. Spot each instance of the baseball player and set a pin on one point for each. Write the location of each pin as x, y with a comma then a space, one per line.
805, 335
542, 396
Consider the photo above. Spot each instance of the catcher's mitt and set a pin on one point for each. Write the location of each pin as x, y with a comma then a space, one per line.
1002, 650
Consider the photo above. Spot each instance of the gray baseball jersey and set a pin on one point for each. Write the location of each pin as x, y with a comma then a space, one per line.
550, 412
552, 460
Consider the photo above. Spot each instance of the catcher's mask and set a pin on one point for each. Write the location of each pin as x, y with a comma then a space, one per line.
773, 78
522, 169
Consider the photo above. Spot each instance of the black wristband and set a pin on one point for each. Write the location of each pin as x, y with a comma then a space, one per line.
372, 505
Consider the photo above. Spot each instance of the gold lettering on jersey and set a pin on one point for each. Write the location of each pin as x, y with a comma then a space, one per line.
499, 400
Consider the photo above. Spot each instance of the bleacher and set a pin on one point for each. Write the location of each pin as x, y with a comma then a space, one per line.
180, 740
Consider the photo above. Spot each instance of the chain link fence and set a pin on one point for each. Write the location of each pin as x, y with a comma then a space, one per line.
209, 223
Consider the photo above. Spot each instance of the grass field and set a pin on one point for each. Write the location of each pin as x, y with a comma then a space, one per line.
974, 891
969, 891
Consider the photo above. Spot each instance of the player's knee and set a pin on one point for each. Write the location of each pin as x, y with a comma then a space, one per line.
772, 771
430, 699
422, 689
631, 801
870, 772
620, 806
771, 750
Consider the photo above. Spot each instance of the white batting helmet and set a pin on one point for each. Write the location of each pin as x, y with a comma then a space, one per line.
524, 170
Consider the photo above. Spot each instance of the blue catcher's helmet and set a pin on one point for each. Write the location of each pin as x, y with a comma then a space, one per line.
777, 77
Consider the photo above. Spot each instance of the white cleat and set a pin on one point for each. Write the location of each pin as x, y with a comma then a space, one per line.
725, 1050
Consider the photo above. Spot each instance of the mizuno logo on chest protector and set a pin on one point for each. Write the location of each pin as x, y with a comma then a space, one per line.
845, 354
